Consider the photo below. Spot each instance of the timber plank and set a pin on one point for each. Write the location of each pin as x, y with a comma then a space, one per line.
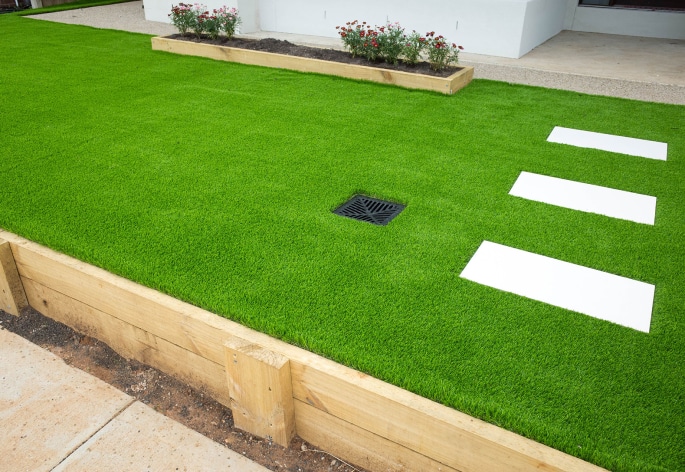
261, 390
12, 296
446, 435
344, 396
131, 342
357, 445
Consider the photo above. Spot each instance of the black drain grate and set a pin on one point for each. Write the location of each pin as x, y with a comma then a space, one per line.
371, 210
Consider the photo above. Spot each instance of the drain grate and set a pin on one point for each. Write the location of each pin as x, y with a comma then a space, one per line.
371, 210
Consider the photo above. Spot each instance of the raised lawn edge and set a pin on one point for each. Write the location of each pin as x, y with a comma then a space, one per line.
357, 417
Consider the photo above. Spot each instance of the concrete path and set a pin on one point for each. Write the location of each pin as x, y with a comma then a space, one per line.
54, 417
648, 69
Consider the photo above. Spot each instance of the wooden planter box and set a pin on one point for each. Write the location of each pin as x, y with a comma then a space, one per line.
446, 85
275, 389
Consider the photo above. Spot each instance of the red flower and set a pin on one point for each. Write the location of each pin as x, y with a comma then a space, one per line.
461, 47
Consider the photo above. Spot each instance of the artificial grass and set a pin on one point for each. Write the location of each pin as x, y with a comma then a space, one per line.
214, 182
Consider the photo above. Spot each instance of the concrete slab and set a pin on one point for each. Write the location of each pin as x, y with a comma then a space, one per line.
142, 439
609, 142
581, 289
47, 409
128, 16
631, 58
585, 197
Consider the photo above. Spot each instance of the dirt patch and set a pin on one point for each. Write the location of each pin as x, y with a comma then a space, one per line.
167, 395
285, 47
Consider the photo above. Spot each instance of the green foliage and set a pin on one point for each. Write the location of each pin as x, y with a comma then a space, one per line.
414, 46
183, 17
389, 43
441, 54
214, 182
197, 19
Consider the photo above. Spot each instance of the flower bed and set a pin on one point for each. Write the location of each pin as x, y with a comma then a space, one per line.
386, 50
447, 85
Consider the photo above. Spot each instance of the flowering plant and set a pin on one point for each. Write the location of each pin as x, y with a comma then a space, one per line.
440, 53
196, 18
389, 43
228, 20
413, 47
200, 18
182, 17
212, 24
353, 36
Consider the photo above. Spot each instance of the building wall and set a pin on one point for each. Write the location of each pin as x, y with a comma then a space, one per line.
630, 22
508, 28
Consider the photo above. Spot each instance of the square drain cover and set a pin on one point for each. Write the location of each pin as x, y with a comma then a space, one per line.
371, 210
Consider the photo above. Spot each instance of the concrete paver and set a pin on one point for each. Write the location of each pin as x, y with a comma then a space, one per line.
142, 439
47, 409
56, 417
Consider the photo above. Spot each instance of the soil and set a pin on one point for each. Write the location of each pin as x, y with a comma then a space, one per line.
167, 395
285, 47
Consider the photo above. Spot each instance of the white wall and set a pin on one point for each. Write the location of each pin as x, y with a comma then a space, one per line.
493, 27
630, 22
544, 19
508, 28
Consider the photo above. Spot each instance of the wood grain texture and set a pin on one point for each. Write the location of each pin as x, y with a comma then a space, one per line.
12, 296
357, 445
131, 342
261, 390
446, 85
351, 408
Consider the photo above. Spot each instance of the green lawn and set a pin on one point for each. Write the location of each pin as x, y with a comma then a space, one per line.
215, 182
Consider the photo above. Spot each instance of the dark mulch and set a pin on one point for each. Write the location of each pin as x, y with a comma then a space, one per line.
285, 47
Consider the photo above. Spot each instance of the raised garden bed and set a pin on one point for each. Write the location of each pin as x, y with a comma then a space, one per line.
456, 79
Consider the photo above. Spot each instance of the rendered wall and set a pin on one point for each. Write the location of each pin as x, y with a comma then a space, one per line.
508, 28
493, 27
651, 24
544, 19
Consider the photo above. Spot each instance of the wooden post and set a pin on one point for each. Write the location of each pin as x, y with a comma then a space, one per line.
261, 391
12, 295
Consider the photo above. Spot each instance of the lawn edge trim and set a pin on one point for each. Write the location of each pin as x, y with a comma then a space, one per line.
355, 416
446, 85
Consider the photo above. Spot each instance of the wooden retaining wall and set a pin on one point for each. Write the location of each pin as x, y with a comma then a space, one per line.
273, 388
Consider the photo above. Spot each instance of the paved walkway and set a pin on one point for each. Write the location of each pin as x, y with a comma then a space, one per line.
647, 69
54, 417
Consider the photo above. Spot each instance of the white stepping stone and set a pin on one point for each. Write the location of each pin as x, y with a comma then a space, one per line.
609, 142
585, 197
588, 291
